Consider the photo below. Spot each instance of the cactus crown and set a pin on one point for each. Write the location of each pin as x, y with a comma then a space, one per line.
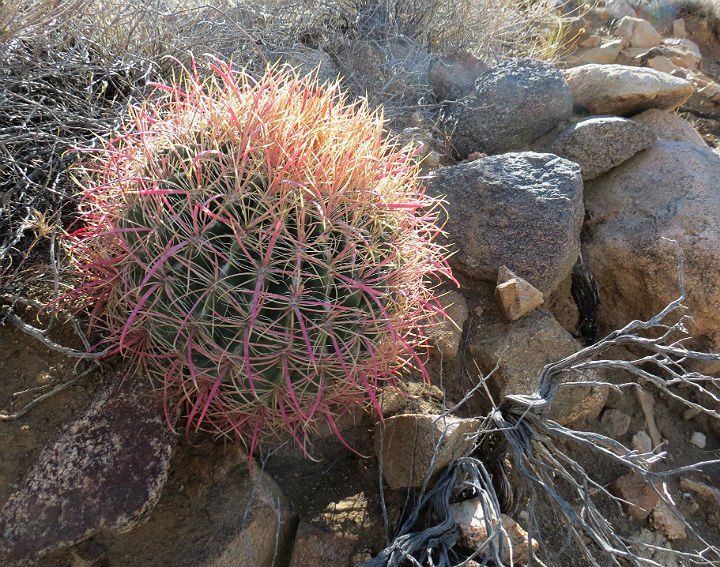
261, 248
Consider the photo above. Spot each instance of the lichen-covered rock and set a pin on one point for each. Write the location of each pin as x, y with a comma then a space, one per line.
217, 510
105, 471
520, 210
513, 104
600, 143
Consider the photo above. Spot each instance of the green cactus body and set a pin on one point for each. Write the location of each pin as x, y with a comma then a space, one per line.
257, 246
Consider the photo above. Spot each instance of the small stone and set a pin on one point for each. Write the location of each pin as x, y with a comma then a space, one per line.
601, 54
615, 422
448, 332
641, 442
667, 523
690, 413
517, 297
470, 520
638, 495
661, 63
678, 28
637, 32
591, 41
698, 439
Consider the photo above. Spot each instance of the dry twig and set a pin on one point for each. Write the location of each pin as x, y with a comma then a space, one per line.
550, 475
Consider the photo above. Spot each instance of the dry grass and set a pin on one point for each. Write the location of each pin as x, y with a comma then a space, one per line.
70, 69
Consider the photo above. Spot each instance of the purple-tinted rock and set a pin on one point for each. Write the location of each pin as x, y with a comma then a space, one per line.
106, 470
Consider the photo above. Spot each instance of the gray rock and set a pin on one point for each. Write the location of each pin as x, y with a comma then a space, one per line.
670, 191
641, 442
521, 350
410, 443
615, 422
617, 9
605, 53
669, 126
637, 32
105, 471
453, 76
513, 104
600, 143
520, 210
624, 90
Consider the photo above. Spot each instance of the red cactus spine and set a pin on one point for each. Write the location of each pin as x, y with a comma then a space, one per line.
259, 247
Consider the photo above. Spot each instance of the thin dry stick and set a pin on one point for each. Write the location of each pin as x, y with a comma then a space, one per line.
4, 416
551, 477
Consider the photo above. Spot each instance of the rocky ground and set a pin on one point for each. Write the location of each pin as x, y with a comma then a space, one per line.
570, 188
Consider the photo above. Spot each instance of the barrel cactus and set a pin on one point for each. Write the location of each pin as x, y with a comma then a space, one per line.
260, 248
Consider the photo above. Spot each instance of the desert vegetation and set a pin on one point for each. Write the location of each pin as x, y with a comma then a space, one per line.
241, 218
